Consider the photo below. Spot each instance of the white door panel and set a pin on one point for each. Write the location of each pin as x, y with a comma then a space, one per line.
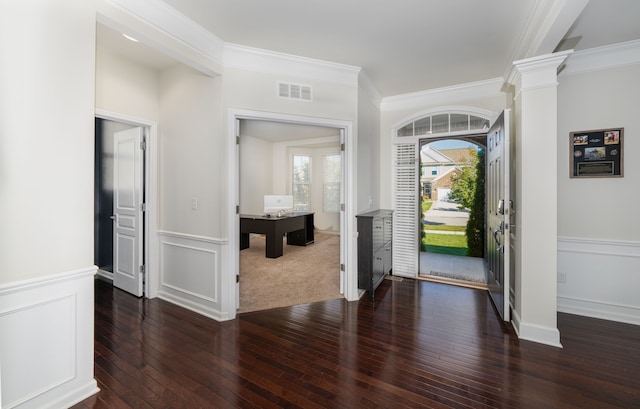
127, 207
498, 207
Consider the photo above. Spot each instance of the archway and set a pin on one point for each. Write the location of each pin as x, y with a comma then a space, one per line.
462, 123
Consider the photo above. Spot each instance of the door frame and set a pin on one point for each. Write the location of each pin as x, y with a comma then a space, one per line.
418, 139
151, 242
347, 229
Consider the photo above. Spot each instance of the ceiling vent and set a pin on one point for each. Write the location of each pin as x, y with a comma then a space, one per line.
294, 91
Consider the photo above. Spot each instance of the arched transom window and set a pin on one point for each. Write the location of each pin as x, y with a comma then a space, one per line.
444, 124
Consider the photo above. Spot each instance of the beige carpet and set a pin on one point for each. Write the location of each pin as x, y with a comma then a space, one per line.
302, 275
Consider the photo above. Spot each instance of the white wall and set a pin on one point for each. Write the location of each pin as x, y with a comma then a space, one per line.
191, 153
126, 87
368, 174
46, 145
191, 198
598, 223
256, 174
46, 206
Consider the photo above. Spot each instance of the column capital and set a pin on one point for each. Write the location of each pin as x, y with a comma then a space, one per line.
537, 72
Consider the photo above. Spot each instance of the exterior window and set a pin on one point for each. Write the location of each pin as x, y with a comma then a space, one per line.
444, 123
301, 185
434, 172
331, 183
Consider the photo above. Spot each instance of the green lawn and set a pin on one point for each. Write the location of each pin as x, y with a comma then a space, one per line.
454, 244
443, 227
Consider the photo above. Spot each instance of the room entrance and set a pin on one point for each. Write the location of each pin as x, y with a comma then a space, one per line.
119, 234
457, 124
305, 160
451, 223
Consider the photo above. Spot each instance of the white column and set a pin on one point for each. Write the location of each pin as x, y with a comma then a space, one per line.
535, 315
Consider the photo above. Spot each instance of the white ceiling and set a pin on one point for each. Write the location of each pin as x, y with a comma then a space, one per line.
403, 46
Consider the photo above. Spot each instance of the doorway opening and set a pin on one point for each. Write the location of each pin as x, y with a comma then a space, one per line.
119, 204
302, 162
451, 197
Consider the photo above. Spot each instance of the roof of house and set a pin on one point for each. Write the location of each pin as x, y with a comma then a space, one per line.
461, 156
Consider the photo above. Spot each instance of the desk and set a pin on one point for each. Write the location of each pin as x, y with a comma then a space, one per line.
298, 226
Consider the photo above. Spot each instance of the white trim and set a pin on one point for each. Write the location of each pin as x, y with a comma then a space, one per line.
348, 235
442, 96
106, 275
539, 72
33, 283
365, 84
602, 58
543, 335
182, 38
193, 237
447, 109
271, 62
152, 245
605, 247
611, 311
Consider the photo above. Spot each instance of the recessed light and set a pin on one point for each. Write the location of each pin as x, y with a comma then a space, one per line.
129, 38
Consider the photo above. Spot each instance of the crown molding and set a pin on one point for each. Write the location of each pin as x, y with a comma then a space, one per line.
443, 96
272, 62
368, 88
196, 41
603, 58
548, 22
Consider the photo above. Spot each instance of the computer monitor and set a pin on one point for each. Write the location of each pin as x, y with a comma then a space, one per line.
278, 203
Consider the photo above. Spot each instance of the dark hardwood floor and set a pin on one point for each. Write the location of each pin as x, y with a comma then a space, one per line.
420, 345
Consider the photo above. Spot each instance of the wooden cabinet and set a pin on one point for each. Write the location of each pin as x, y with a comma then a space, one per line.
375, 230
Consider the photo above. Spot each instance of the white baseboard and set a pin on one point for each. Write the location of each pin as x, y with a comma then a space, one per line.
536, 333
599, 309
104, 274
46, 348
193, 306
543, 335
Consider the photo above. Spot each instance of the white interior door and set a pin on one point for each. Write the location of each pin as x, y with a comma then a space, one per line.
343, 227
498, 207
128, 213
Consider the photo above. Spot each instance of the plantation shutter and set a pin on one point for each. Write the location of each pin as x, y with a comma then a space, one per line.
406, 246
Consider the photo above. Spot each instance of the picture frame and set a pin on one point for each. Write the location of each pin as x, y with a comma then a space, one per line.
596, 153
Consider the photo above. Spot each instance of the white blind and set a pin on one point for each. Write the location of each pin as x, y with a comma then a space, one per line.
406, 246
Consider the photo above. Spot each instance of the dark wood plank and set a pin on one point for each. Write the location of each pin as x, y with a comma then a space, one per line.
419, 345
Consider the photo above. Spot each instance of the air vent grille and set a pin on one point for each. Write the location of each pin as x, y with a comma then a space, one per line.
294, 91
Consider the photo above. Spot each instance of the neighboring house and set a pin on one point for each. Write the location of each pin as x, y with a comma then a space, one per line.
572, 257
438, 168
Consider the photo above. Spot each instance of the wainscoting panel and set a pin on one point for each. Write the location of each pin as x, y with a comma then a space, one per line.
190, 272
46, 347
599, 278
